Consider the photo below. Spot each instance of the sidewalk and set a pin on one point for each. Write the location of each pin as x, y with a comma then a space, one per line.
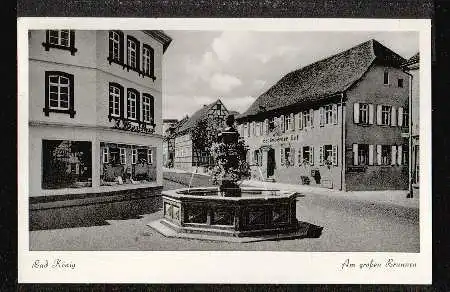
393, 197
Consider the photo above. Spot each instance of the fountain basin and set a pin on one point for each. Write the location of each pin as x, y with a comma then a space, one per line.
256, 215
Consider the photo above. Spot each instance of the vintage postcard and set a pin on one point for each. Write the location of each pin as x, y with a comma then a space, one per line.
224, 150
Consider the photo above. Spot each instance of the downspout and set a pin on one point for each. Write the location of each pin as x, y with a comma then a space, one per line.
410, 193
342, 143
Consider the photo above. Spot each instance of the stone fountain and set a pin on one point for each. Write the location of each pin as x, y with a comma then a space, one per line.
229, 212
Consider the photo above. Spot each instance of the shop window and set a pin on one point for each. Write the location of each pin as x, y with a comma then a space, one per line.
66, 164
60, 39
287, 157
59, 93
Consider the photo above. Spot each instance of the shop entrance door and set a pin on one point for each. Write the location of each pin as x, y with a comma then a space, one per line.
270, 162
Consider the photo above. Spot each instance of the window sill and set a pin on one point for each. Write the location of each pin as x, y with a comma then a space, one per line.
47, 47
61, 111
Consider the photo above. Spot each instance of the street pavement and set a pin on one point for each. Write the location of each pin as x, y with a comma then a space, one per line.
350, 225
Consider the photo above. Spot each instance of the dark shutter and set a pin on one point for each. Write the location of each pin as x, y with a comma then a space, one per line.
121, 47
121, 102
72, 97
47, 40
152, 65
47, 97
72, 42
110, 102
152, 109
110, 46
138, 106
138, 52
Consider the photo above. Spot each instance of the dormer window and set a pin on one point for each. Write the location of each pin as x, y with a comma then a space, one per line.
60, 39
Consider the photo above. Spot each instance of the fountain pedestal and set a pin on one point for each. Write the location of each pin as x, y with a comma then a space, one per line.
202, 214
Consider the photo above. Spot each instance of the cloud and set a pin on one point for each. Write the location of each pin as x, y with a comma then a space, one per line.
224, 82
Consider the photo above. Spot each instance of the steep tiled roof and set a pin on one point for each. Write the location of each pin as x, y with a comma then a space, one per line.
198, 115
325, 78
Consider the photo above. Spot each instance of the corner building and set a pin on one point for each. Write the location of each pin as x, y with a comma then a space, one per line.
94, 110
337, 123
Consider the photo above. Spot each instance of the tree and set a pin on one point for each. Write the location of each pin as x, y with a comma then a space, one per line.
203, 135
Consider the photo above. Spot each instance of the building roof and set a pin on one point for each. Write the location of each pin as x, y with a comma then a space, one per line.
197, 116
413, 60
325, 78
170, 121
160, 36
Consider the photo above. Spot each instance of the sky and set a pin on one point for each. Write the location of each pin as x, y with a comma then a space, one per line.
237, 66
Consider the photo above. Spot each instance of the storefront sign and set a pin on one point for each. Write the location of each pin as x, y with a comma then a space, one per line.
356, 168
128, 126
280, 139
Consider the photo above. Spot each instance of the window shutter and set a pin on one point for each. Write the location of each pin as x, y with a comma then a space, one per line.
292, 122
152, 109
400, 117
393, 116
370, 154
300, 156
282, 156
394, 155
335, 114
379, 114
266, 126
121, 47
355, 154
110, 44
72, 41
370, 114
282, 121
321, 113
356, 112
292, 158
379, 154
311, 116
321, 148
122, 102
152, 62
138, 106
138, 51
399, 154
311, 155
300, 121
335, 155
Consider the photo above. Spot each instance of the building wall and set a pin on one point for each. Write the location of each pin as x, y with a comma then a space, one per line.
315, 137
415, 121
370, 89
92, 74
183, 152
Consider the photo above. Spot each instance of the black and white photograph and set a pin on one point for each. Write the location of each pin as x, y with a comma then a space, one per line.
259, 140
